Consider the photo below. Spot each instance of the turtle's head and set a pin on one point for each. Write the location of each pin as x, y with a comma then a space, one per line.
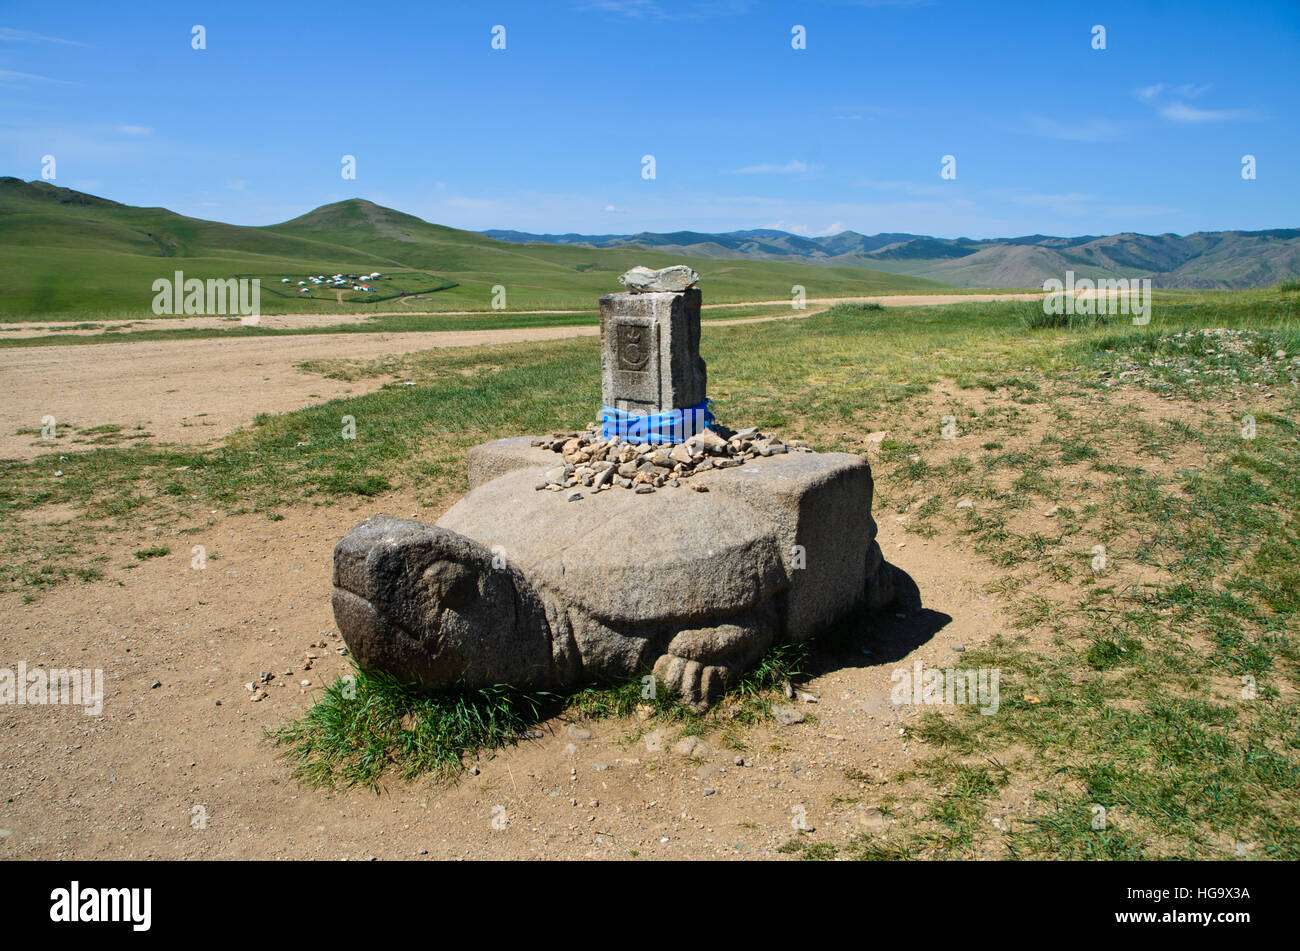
427, 604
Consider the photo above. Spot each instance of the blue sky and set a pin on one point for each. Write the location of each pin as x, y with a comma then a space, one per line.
1048, 134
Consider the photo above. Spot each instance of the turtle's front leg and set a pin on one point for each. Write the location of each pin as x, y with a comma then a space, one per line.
699, 664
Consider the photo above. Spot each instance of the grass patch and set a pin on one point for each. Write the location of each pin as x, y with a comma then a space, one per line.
368, 723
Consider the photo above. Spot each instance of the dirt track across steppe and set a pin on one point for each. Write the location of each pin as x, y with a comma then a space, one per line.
197, 391
304, 321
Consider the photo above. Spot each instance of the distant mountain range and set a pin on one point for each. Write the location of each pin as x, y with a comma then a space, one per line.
1206, 259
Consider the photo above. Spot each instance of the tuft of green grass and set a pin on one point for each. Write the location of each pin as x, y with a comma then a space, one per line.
347, 484
158, 551
1034, 316
367, 723
1104, 652
624, 699
860, 308
808, 851
938, 730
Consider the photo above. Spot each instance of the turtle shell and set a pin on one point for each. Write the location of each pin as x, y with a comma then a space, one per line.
671, 557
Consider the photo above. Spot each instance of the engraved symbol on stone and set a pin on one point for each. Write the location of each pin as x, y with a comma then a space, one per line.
633, 354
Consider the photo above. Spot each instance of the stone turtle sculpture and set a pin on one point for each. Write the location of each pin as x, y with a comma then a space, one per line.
523, 587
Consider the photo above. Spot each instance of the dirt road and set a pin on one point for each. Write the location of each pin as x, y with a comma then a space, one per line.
197, 391
30, 328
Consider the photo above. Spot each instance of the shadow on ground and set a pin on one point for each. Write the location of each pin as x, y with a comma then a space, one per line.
867, 640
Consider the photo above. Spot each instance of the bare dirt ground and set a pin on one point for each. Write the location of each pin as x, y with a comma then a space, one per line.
203, 322
184, 769
307, 321
197, 391
179, 764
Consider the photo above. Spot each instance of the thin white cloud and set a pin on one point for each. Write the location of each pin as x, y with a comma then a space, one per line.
86, 143
1071, 203
909, 188
134, 129
1138, 211
884, 3
636, 9
1170, 103
24, 36
1075, 130
859, 113
794, 167
801, 229
9, 77
653, 10
709, 212
1182, 112
1076, 204
790, 227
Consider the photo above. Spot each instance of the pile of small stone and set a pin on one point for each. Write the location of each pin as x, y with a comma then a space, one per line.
597, 463
1213, 357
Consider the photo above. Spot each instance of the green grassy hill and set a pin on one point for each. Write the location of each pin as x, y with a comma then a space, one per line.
65, 255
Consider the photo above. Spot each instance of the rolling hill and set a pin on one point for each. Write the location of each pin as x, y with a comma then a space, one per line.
66, 255
1222, 259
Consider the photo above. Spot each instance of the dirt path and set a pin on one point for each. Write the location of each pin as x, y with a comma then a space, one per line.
305, 321
197, 391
